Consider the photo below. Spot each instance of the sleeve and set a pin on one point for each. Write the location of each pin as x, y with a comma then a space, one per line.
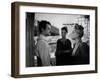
68, 51
44, 53
58, 48
70, 45
85, 52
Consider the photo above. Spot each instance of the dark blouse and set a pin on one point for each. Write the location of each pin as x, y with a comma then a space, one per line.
63, 52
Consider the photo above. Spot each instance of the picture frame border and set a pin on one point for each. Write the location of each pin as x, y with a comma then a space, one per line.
15, 38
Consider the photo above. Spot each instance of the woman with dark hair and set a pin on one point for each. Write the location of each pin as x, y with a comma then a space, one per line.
80, 53
64, 49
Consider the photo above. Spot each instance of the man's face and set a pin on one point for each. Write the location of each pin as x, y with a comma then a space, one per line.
63, 33
47, 30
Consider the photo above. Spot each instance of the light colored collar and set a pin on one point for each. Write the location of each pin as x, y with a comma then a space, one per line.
77, 44
78, 41
42, 37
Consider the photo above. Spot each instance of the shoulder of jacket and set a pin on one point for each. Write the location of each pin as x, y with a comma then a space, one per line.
59, 40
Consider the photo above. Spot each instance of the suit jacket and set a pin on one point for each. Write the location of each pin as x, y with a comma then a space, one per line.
62, 57
81, 54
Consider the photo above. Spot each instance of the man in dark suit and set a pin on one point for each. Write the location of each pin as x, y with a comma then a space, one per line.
63, 49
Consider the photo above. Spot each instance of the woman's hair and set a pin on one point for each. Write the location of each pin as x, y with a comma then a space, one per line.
64, 28
43, 25
80, 30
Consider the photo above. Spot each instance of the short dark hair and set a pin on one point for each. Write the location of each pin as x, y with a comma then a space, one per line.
43, 25
65, 28
80, 30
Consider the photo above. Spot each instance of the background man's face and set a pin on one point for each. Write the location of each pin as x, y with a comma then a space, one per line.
63, 33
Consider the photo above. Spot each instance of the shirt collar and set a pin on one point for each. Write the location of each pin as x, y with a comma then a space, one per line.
42, 37
78, 41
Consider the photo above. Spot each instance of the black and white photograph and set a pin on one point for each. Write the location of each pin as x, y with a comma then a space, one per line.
57, 39
52, 39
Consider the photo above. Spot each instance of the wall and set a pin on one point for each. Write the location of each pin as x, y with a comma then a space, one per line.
55, 18
5, 40
61, 20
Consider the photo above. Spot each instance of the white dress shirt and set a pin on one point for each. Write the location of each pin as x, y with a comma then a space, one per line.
43, 49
